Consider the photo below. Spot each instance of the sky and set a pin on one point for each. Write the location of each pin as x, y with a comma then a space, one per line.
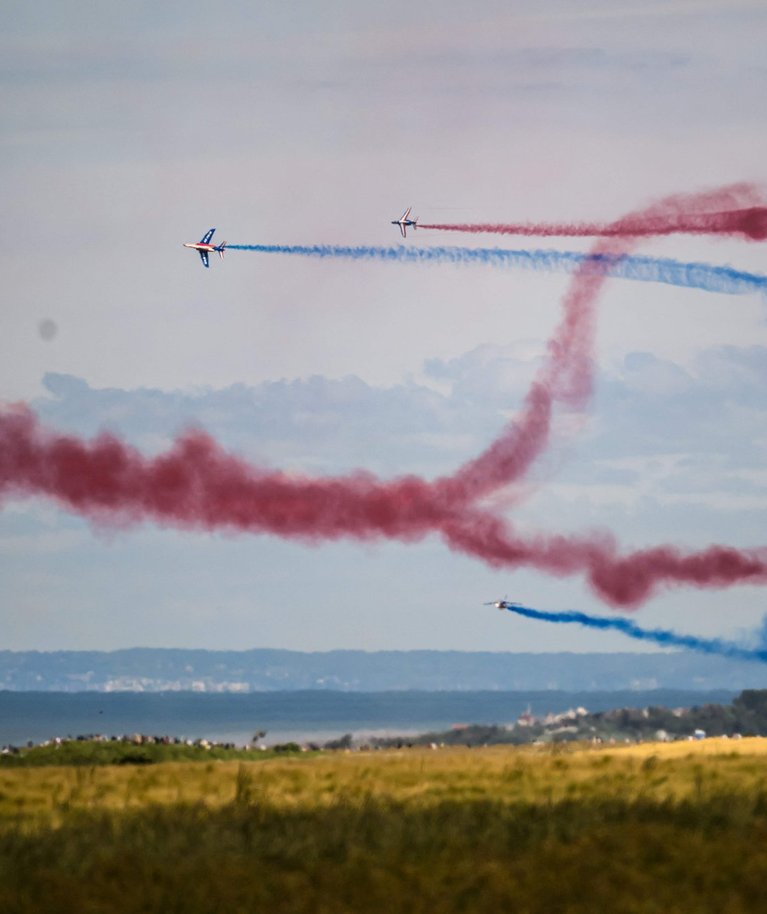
127, 129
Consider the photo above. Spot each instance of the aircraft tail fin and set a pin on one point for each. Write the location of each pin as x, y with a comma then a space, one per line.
220, 249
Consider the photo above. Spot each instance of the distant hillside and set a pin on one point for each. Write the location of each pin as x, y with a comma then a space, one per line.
746, 715
265, 669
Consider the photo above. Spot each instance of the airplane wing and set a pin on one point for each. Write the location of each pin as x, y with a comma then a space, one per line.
207, 236
204, 258
405, 214
403, 229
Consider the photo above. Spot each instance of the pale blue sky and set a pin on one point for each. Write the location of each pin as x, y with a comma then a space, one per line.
129, 128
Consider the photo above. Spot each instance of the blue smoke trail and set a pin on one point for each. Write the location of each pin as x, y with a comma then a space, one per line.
704, 276
655, 635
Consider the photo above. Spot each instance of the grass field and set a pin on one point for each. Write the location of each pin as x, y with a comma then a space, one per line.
676, 827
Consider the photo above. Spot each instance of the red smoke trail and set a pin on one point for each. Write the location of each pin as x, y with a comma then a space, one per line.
620, 580
565, 377
567, 374
197, 485
738, 212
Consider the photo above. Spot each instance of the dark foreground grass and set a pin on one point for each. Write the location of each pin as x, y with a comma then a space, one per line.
374, 854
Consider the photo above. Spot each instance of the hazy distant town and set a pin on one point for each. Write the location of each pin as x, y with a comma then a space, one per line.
264, 669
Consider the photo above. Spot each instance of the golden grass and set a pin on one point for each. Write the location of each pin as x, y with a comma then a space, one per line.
752, 745
673, 828
416, 776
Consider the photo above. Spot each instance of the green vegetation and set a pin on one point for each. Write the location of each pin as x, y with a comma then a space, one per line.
746, 716
114, 752
657, 828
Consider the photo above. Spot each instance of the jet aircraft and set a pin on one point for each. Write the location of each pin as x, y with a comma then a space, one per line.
404, 221
204, 247
502, 604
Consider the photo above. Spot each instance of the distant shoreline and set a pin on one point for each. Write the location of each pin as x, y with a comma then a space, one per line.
259, 670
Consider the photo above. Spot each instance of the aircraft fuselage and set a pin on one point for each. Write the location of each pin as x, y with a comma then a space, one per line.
204, 247
210, 248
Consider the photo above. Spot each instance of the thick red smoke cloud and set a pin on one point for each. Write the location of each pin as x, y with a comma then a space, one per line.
196, 485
